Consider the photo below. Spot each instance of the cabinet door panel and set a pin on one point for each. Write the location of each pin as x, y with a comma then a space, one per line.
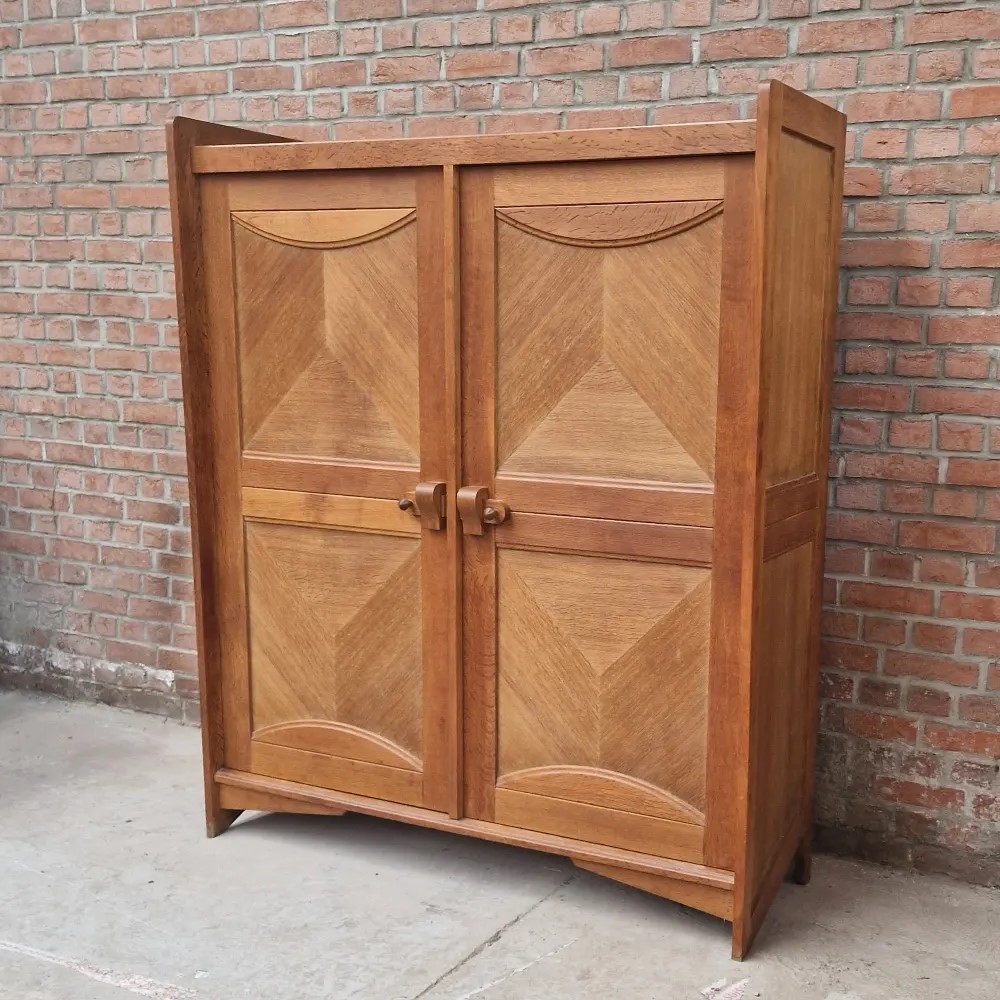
325, 419
590, 356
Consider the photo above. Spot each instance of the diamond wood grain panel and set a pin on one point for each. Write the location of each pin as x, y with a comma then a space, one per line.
328, 337
335, 630
603, 663
596, 375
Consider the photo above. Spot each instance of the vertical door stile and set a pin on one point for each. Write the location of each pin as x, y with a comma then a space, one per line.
230, 562
478, 315
437, 221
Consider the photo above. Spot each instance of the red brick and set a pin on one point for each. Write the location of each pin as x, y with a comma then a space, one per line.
937, 638
397, 69
301, 13
885, 597
974, 402
878, 726
485, 62
913, 794
894, 252
956, 436
975, 607
886, 631
555, 59
979, 743
945, 670
949, 26
342, 73
971, 253
176, 24
879, 694
940, 178
848, 656
964, 330
950, 537
263, 78
893, 106
879, 326
907, 468
858, 396
652, 51
201, 82
859, 35
231, 20
975, 102
983, 709
745, 43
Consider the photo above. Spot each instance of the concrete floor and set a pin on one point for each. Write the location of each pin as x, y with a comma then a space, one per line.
109, 891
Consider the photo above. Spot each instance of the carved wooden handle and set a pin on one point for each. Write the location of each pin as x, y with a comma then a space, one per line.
476, 508
427, 503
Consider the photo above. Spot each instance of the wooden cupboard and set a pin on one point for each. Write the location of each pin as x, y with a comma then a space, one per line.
508, 468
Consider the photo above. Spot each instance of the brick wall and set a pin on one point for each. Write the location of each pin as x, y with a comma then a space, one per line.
95, 597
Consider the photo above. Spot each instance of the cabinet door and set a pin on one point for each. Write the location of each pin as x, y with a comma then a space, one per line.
327, 351
590, 316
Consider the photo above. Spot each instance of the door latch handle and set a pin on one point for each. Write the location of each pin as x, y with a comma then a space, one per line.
427, 503
477, 508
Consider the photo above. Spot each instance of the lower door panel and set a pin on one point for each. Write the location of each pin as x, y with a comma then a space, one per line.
335, 657
602, 681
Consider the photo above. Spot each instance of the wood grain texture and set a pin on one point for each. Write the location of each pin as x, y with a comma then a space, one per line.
438, 320
709, 899
569, 847
328, 347
699, 139
611, 827
184, 135
779, 704
795, 308
792, 497
736, 535
596, 376
678, 543
649, 502
335, 739
261, 801
799, 179
325, 229
601, 787
790, 533
478, 436
603, 664
358, 777
228, 556
610, 225
349, 479
336, 189
347, 512
335, 630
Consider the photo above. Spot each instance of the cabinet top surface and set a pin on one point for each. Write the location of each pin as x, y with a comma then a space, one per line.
635, 142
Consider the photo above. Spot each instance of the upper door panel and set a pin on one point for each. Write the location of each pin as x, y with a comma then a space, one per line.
597, 377
327, 318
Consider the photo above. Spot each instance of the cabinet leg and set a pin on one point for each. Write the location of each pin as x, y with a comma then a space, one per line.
220, 820
802, 862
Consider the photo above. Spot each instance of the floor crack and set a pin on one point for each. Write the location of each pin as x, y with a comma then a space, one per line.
495, 936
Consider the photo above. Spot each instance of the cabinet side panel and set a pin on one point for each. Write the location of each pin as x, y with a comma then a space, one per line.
794, 341
780, 713
800, 161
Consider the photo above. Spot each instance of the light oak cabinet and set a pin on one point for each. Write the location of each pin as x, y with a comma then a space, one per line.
508, 466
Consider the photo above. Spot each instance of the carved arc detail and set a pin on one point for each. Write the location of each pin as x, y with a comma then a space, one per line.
610, 225
337, 739
601, 787
326, 230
